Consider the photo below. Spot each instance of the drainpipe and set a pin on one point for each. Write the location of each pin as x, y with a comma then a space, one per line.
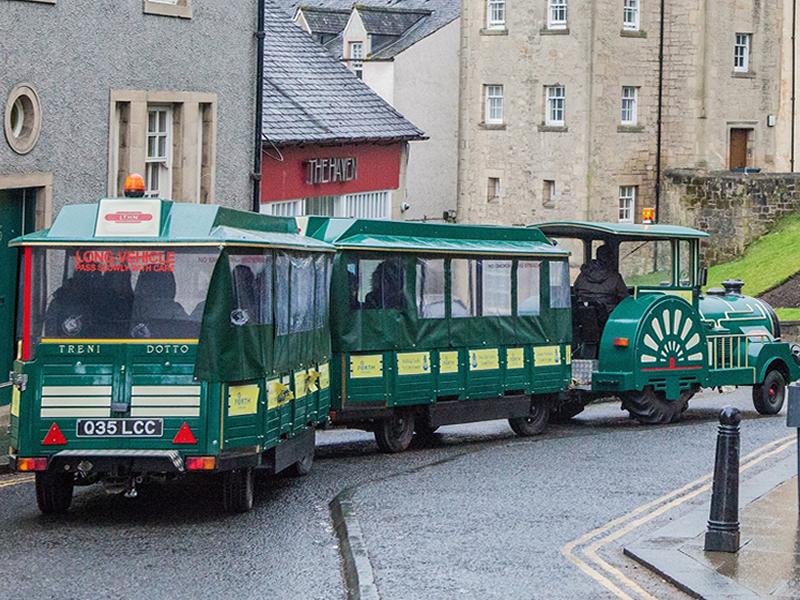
660, 110
794, 80
259, 125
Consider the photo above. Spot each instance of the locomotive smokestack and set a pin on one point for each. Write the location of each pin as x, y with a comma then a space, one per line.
733, 286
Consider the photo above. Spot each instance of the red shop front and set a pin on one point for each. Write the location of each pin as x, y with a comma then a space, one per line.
353, 180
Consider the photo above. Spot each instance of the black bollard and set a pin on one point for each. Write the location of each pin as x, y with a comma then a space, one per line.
722, 534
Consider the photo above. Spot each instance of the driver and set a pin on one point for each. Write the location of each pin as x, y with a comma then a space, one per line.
600, 282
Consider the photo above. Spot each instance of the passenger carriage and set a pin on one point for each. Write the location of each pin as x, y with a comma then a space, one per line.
436, 324
667, 339
160, 338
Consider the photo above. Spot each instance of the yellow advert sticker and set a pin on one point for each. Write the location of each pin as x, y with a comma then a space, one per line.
300, 381
242, 400
568, 354
515, 358
484, 360
15, 395
448, 362
547, 356
278, 392
413, 363
324, 376
366, 366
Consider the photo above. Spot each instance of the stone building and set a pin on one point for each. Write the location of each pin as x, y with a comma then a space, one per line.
560, 102
91, 91
407, 51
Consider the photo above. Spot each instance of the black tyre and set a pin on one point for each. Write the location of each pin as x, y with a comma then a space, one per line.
237, 490
650, 407
533, 424
565, 412
768, 397
303, 466
54, 492
394, 433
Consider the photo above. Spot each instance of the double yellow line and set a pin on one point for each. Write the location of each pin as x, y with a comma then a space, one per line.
16, 481
584, 552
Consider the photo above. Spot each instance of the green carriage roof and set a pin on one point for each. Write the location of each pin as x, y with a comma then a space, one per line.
586, 229
406, 236
180, 224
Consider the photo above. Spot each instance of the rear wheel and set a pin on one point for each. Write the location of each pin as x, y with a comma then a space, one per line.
394, 434
768, 397
54, 492
534, 424
237, 490
650, 407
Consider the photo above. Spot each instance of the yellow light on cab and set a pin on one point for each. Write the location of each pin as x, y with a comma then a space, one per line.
648, 215
134, 186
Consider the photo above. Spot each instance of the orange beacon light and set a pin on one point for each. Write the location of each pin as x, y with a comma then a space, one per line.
134, 186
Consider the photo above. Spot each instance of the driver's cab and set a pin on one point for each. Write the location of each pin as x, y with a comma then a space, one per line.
611, 262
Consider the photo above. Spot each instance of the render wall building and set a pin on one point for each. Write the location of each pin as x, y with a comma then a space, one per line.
92, 91
561, 102
407, 51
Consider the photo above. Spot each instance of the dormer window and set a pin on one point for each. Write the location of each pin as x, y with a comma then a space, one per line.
357, 58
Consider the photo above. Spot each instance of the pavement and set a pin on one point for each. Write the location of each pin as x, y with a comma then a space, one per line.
767, 563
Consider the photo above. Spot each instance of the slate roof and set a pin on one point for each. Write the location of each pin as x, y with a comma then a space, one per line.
385, 21
309, 97
326, 20
441, 13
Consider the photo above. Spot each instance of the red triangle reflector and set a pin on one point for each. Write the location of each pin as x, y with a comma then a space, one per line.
54, 437
184, 435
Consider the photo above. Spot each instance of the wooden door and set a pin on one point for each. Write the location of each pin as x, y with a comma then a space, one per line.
738, 148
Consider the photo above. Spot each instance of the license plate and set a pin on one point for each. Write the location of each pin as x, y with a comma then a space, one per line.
120, 427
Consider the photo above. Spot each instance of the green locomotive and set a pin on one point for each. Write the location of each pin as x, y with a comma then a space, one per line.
438, 324
665, 340
160, 338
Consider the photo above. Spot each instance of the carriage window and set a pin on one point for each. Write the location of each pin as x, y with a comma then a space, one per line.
496, 288
282, 293
430, 288
251, 282
685, 264
462, 287
302, 294
381, 283
647, 263
559, 285
120, 293
322, 290
528, 272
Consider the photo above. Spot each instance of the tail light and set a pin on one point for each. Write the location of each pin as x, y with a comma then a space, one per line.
201, 463
621, 342
31, 464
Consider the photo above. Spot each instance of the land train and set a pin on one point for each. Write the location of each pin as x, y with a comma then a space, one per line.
158, 339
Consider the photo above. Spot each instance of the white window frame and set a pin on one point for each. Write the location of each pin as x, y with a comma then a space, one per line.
356, 55
494, 189
162, 164
629, 113
631, 15
557, 14
627, 203
549, 193
494, 100
555, 105
495, 14
742, 46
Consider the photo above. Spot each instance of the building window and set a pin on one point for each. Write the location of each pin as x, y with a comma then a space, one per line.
493, 189
549, 193
630, 100
366, 205
357, 58
158, 162
556, 14
556, 106
496, 14
493, 113
627, 203
23, 119
169, 8
741, 52
630, 15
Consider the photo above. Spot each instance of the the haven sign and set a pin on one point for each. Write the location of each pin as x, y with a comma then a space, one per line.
331, 170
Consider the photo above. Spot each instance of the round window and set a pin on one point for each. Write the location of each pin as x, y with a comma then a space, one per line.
23, 119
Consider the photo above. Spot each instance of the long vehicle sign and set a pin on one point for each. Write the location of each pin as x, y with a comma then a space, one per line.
120, 427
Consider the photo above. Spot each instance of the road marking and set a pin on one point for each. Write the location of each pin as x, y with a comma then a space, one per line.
590, 543
17, 481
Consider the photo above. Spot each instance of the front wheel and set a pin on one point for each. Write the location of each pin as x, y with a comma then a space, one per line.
237, 490
650, 407
768, 397
394, 434
54, 492
534, 424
